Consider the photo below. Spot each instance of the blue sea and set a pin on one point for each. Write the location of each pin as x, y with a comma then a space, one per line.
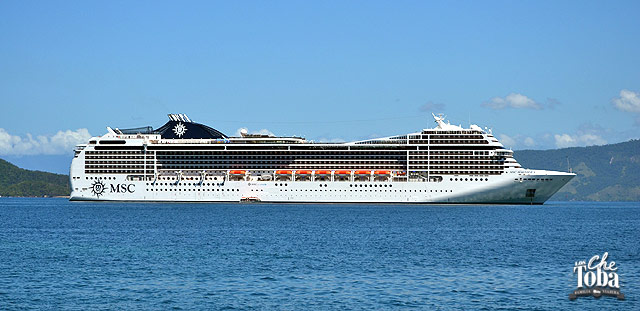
61, 255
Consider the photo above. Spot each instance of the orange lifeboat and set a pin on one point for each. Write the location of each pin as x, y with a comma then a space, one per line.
283, 172
382, 172
401, 173
363, 172
237, 172
342, 172
303, 172
323, 172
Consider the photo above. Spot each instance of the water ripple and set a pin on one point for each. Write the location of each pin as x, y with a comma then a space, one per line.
55, 254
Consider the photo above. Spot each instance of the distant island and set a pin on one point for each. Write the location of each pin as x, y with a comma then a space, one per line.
604, 173
18, 182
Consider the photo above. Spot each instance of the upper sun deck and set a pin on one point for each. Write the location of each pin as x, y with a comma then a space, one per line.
443, 133
180, 130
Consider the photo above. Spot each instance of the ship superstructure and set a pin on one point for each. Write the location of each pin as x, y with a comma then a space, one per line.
186, 161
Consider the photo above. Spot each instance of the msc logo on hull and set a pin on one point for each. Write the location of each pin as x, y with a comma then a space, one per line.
98, 188
123, 188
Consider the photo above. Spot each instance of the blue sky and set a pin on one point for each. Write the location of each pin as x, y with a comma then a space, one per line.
541, 74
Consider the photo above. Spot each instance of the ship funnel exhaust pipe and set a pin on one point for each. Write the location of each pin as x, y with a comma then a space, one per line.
179, 117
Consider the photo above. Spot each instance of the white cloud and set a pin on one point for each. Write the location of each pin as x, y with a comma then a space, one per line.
515, 141
529, 142
261, 132
60, 143
591, 139
583, 139
513, 100
564, 140
628, 101
507, 141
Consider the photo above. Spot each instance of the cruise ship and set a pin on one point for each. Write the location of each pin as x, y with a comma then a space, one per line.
185, 161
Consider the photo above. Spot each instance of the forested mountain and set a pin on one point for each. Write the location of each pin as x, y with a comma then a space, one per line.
604, 173
15, 181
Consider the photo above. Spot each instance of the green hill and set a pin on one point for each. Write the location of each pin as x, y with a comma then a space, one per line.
15, 181
604, 173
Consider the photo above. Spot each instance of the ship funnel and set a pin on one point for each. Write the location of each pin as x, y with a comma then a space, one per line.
179, 117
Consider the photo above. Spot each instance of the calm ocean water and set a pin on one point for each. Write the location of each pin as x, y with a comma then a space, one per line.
56, 254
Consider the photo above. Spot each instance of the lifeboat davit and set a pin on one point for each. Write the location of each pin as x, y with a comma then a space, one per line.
237, 172
363, 172
303, 172
283, 172
342, 172
323, 172
382, 172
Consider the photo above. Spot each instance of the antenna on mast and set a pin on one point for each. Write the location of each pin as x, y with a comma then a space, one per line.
439, 120
569, 165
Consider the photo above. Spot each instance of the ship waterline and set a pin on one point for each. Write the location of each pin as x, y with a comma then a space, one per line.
184, 161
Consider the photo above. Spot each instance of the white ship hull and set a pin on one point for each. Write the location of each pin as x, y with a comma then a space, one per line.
504, 189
